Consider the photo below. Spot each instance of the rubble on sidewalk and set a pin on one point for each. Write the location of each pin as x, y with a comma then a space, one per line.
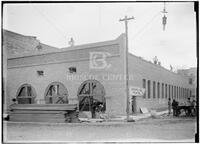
85, 114
144, 110
87, 117
154, 114
92, 120
104, 116
101, 117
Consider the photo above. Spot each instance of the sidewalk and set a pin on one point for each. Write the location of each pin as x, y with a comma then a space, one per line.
122, 118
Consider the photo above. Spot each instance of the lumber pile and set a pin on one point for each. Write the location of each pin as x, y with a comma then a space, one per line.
57, 113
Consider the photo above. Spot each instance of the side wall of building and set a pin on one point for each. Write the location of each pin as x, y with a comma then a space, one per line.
143, 71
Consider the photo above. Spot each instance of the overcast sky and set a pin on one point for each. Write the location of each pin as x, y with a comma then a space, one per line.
54, 24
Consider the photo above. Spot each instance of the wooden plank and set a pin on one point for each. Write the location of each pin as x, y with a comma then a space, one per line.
50, 111
44, 113
44, 118
37, 117
43, 107
27, 119
37, 112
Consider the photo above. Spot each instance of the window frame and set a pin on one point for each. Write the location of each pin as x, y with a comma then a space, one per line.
154, 89
158, 90
50, 99
149, 88
26, 96
163, 92
144, 86
166, 90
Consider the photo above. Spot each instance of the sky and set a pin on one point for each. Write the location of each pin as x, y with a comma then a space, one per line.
54, 24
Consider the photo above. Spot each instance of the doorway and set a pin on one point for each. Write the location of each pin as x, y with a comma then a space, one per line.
133, 104
91, 96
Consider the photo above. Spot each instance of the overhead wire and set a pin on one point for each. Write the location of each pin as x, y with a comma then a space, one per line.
139, 32
50, 23
146, 25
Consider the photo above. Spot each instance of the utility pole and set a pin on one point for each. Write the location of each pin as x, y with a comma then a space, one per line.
125, 19
164, 19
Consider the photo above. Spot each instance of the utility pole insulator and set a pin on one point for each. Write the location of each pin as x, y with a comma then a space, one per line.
126, 19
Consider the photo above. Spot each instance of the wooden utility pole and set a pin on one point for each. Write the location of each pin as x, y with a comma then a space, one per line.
125, 19
164, 19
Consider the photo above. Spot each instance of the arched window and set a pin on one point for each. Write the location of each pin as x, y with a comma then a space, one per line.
26, 94
56, 93
91, 94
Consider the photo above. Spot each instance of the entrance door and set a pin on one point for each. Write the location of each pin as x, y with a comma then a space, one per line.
133, 104
91, 94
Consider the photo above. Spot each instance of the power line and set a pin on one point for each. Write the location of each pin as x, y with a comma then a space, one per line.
144, 12
146, 25
51, 24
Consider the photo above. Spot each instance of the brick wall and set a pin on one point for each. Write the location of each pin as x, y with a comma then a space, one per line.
141, 69
56, 65
22, 70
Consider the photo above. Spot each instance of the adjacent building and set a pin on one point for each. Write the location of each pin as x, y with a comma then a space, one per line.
191, 74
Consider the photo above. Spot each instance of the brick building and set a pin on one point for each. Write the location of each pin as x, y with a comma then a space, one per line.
191, 74
68, 75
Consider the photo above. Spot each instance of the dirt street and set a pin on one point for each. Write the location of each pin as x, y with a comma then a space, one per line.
154, 130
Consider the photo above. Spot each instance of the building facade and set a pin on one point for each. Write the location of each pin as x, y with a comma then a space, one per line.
97, 70
191, 74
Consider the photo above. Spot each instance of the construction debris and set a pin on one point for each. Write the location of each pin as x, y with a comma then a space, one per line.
90, 120
144, 110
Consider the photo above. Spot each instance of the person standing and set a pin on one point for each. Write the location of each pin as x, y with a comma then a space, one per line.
189, 106
174, 107
177, 109
169, 106
193, 106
